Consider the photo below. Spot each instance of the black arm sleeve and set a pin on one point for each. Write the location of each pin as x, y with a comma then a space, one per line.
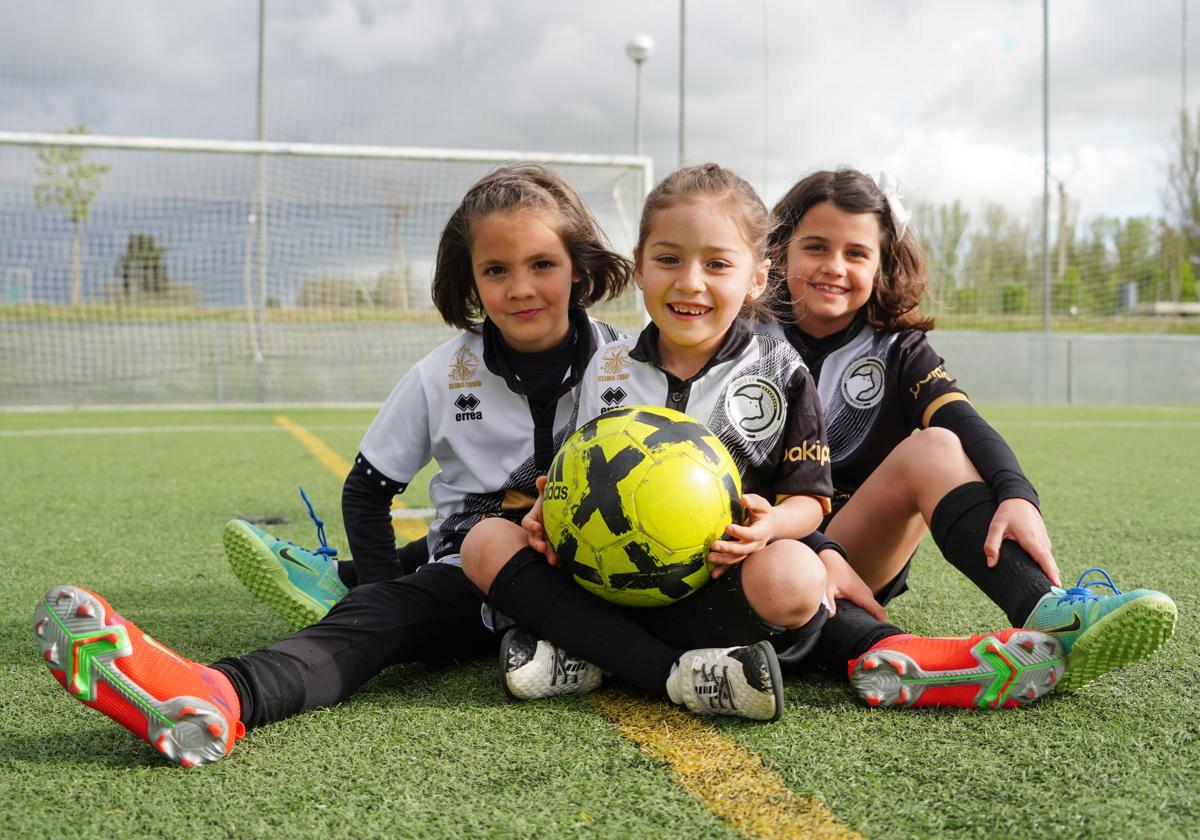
818, 542
994, 459
366, 512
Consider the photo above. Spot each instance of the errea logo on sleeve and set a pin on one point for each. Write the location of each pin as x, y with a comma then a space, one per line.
467, 405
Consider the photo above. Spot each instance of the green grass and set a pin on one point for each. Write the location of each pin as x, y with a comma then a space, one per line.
623, 312
435, 752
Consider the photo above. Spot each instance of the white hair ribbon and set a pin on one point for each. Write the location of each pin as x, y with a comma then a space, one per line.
890, 188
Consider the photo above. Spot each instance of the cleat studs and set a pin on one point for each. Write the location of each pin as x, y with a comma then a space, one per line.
870, 663
85, 611
874, 699
186, 711
39, 626
900, 666
1028, 645
1031, 693
992, 646
1053, 678
215, 730
185, 760
902, 697
51, 654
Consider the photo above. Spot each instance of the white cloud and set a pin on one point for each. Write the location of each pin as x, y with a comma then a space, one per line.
946, 94
364, 36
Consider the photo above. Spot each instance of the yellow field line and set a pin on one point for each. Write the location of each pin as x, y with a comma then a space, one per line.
733, 784
407, 527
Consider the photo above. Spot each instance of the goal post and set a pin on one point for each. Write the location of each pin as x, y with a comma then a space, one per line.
226, 272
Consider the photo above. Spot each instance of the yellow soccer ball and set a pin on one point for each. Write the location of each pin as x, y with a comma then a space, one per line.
633, 500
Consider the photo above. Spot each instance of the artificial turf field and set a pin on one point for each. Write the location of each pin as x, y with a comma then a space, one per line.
131, 504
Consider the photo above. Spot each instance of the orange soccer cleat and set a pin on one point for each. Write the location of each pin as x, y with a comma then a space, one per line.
1000, 670
186, 711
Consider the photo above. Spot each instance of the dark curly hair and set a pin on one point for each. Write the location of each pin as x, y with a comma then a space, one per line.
601, 271
902, 280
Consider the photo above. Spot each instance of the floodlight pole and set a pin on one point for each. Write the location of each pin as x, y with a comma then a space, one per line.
260, 174
682, 77
1046, 297
639, 48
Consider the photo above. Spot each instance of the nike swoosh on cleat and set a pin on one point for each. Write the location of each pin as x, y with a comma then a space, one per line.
286, 554
1070, 628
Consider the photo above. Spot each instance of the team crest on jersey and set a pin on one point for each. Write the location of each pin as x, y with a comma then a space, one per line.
615, 360
862, 382
755, 407
462, 369
612, 366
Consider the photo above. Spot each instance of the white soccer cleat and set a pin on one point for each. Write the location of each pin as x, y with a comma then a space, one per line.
738, 681
533, 668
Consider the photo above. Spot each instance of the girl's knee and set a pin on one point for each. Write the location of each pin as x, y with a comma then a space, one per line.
487, 547
785, 585
933, 444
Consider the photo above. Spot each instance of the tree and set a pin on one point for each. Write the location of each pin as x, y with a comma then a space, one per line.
70, 183
1183, 182
142, 269
941, 228
1000, 253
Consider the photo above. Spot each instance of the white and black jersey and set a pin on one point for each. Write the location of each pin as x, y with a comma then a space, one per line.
877, 387
465, 407
754, 394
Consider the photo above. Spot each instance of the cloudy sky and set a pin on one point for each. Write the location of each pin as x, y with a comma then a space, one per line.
945, 94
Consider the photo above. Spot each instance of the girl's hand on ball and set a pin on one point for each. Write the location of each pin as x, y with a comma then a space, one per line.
535, 527
748, 538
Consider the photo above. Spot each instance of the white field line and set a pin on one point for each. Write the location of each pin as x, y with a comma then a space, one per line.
149, 430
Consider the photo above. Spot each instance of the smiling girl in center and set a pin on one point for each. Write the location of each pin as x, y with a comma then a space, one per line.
700, 263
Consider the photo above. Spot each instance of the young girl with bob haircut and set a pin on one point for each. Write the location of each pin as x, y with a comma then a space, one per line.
849, 277
518, 263
700, 263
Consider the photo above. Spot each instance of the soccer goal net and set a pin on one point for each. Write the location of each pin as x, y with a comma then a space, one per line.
145, 271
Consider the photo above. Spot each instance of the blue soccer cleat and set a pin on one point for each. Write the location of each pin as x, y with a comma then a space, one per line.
299, 584
1101, 633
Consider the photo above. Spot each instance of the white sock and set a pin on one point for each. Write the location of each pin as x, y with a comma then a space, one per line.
674, 692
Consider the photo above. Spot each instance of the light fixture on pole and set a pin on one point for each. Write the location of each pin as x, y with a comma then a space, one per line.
639, 48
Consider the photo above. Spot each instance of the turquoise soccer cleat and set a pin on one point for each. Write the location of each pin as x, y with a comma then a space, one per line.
1101, 633
299, 584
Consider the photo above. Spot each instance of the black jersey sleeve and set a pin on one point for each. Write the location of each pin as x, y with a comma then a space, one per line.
925, 384
366, 512
804, 468
988, 451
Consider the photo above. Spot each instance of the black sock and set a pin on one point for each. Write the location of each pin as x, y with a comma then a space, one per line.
959, 526
544, 600
848, 635
795, 647
268, 685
